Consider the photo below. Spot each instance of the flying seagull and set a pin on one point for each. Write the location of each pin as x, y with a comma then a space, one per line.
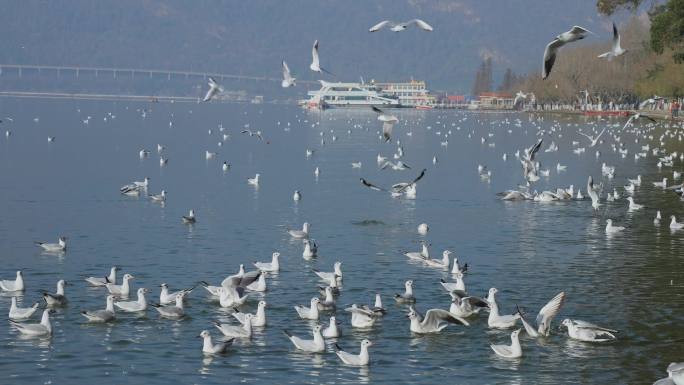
593, 140
576, 33
615, 50
288, 80
388, 122
636, 116
214, 88
315, 63
398, 27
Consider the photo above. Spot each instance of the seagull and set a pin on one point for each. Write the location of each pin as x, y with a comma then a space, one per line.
634, 206
675, 375
388, 122
398, 27
610, 229
362, 359
674, 225
120, 290
662, 184
271, 267
214, 88
135, 186
466, 306
545, 316
258, 319
190, 218
440, 263
496, 320
512, 351
260, 284
171, 311
315, 63
356, 164
615, 49
332, 330
656, 220
309, 312
225, 166
232, 296
17, 313
252, 133
310, 249
105, 315
317, 345
421, 255
399, 166
592, 193
594, 140
588, 332
16, 285
297, 196
407, 296
288, 80
44, 328
243, 331
423, 229
300, 234
58, 247
576, 33
361, 318
254, 181
58, 299
433, 321
329, 302
328, 276
134, 306
166, 298
209, 348
403, 186
103, 281
161, 197
637, 116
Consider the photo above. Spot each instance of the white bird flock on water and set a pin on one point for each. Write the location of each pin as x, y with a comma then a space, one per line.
459, 310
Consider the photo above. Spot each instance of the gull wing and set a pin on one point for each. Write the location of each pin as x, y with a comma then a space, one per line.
586, 135
589, 325
534, 149
371, 186
376, 109
379, 26
548, 312
550, 56
434, 317
314, 54
616, 38
287, 75
421, 24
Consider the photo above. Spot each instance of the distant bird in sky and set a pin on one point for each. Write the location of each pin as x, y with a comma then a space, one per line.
398, 27
576, 33
388, 123
214, 88
615, 50
288, 80
315, 62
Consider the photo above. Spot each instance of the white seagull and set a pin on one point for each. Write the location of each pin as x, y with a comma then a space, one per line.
209, 348
545, 316
58, 299
58, 247
16, 285
496, 320
594, 140
214, 88
258, 319
433, 321
512, 351
588, 332
105, 315
398, 27
576, 33
288, 80
271, 267
17, 313
361, 318
102, 281
610, 229
134, 306
317, 345
309, 312
171, 311
315, 62
361, 359
615, 49
121, 290
44, 328
300, 234
243, 331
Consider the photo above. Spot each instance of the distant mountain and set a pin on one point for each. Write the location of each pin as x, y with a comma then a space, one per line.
251, 37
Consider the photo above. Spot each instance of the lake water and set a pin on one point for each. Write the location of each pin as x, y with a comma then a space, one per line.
633, 282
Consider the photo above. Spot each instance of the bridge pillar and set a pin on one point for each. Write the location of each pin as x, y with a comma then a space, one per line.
77, 72
150, 74
114, 74
19, 71
96, 73
168, 76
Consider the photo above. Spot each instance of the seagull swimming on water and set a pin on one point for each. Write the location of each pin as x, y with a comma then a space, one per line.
509, 351
44, 328
102, 281
57, 299
60, 246
433, 321
576, 33
398, 27
362, 359
588, 332
208, 347
101, 316
317, 345
16, 285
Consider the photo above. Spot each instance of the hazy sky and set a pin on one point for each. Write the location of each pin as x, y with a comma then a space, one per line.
252, 37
